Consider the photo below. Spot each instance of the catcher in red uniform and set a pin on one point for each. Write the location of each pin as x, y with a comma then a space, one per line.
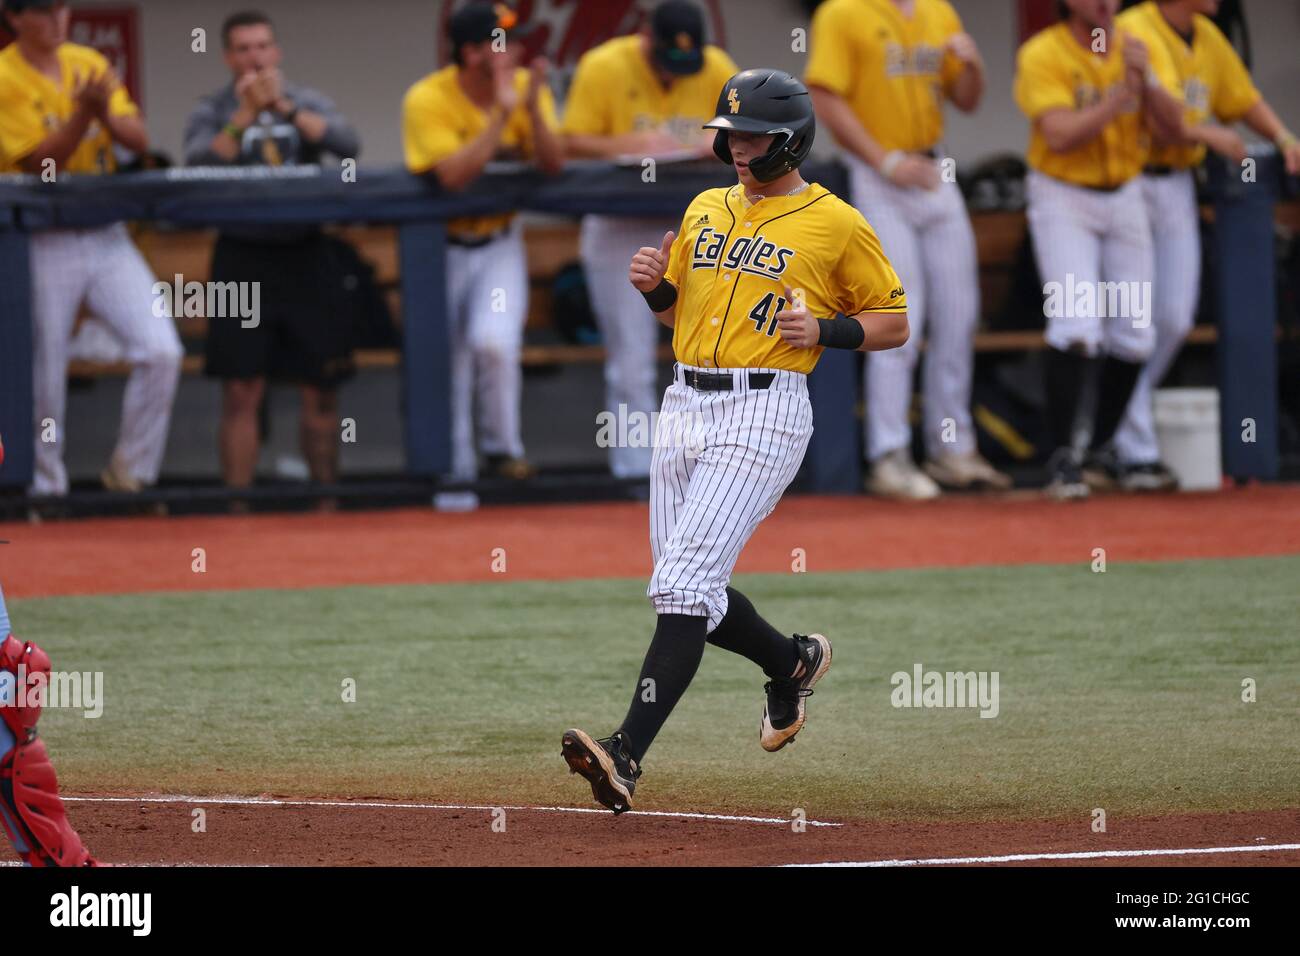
30, 808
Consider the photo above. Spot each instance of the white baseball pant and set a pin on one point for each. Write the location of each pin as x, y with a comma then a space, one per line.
1084, 238
101, 268
721, 463
628, 328
487, 303
1175, 233
928, 239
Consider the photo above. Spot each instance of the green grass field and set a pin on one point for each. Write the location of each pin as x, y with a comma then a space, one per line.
1119, 690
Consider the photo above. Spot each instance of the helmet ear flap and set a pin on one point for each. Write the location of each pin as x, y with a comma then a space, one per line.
720, 147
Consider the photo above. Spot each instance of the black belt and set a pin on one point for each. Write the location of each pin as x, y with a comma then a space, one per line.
1104, 189
1159, 170
474, 242
722, 382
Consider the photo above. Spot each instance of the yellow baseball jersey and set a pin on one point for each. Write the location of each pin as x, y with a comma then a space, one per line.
894, 71
32, 106
438, 120
615, 91
1054, 72
732, 260
1206, 75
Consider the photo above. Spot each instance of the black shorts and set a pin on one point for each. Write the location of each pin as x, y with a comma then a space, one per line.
304, 332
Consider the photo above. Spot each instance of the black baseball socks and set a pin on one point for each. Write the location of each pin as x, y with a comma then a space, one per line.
670, 665
744, 632
1115, 384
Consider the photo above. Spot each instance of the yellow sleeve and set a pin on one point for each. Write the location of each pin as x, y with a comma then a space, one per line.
678, 253
427, 133
1039, 87
20, 130
865, 279
120, 103
722, 66
1235, 93
831, 55
1165, 69
952, 66
587, 109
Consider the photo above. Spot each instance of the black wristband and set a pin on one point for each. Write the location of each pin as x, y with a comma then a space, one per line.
841, 332
662, 297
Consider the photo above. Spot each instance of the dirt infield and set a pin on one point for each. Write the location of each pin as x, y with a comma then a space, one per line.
130, 555
129, 831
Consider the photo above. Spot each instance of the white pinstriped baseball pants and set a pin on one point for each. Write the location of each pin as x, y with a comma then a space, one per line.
720, 464
101, 268
487, 300
1094, 237
928, 239
1176, 234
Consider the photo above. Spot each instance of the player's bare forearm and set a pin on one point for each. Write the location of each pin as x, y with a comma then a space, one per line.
1265, 122
548, 144
466, 164
968, 89
835, 113
668, 317
59, 145
1164, 115
883, 330
1065, 130
129, 131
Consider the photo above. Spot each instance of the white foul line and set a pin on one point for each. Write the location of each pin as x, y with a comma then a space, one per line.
1090, 855
267, 802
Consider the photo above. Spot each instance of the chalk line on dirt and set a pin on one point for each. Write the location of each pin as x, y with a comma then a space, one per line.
1088, 855
377, 804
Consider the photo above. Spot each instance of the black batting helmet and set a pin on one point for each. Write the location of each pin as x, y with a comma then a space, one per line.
769, 102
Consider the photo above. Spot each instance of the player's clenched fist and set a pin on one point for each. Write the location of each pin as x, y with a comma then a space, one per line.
797, 327
650, 264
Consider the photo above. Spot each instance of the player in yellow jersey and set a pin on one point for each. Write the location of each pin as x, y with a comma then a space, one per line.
637, 96
483, 106
1199, 67
1094, 102
760, 278
881, 73
62, 110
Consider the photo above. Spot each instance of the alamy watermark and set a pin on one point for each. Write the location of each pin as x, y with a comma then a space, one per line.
72, 690
922, 688
209, 300
1075, 298
632, 429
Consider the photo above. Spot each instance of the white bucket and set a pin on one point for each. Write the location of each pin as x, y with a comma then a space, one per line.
1187, 428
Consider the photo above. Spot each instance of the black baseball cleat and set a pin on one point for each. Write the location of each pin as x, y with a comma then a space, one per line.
605, 764
787, 697
1066, 482
1101, 470
1148, 476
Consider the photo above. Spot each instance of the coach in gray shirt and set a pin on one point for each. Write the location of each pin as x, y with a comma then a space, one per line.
301, 334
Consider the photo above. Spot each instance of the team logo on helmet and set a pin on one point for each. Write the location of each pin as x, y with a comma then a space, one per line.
733, 99
684, 42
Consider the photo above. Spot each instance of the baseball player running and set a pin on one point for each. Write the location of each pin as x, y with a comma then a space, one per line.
30, 808
1203, 72
761, 277
62, 110
879, 72
454, 121
1092, 101
643, 95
